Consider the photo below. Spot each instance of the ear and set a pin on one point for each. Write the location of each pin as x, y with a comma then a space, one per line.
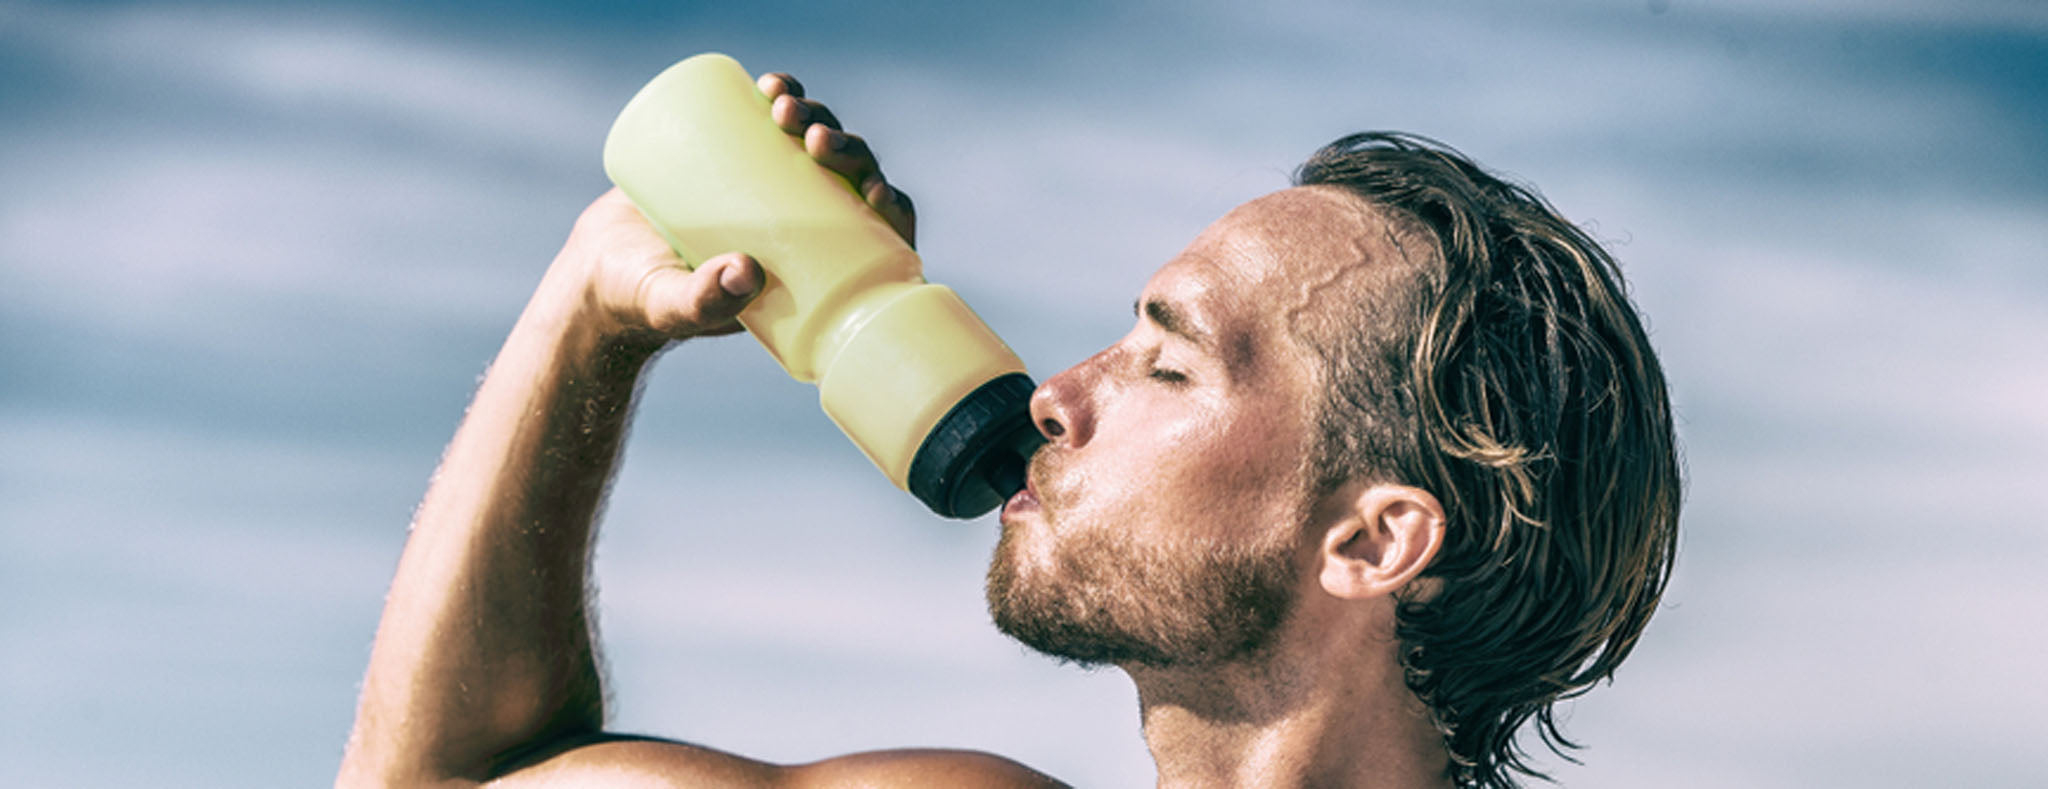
1383, 537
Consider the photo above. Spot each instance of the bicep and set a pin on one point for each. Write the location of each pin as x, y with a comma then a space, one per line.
612, 760
623, 761
918, 768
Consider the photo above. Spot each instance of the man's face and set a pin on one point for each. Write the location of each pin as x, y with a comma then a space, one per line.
1164, 522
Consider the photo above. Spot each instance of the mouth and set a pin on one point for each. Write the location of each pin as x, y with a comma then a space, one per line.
1025, 500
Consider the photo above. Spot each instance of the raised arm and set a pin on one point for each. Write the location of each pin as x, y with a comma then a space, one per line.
484, 659
484, 648
484, 669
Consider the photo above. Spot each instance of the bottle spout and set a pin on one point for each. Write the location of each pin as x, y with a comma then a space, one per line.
974, 459
1006, 472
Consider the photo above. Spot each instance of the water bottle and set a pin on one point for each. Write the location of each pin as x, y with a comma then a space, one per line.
926, 390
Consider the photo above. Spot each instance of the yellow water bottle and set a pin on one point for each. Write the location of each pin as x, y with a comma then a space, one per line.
905, 369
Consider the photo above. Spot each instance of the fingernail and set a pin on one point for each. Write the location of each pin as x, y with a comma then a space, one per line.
836, 140
734, 280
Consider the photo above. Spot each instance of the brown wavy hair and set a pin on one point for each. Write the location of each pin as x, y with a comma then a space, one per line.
1501, 366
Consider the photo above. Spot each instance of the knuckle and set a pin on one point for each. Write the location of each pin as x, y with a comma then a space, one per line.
819, 113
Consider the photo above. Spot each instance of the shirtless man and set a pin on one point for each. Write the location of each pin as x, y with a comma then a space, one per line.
1384, 470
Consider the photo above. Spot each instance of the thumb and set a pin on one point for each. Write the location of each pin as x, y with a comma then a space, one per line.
682, 303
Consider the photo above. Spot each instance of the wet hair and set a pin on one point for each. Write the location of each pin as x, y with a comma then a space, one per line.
1498, 363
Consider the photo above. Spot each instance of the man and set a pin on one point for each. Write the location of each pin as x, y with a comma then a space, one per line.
1384, 470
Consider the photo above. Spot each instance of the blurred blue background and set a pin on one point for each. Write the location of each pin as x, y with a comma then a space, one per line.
253, 257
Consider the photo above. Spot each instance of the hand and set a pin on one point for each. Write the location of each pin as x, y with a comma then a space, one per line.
845, 154
636, 286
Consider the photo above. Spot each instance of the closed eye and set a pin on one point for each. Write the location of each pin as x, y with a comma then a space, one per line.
1169, 376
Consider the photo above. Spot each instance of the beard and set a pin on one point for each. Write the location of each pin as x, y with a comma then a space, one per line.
1106, 599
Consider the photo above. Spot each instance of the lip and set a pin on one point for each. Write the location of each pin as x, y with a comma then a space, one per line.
1021, 502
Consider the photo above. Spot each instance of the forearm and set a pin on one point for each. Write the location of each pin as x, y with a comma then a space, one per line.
485, 645
485, 649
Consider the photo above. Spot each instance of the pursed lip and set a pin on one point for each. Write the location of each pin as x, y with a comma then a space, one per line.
1022, 501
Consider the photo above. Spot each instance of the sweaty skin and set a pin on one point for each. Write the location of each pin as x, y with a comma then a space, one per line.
484, 670
1175, 463
1183, 442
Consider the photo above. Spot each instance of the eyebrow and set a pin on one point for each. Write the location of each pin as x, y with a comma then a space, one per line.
1174, 321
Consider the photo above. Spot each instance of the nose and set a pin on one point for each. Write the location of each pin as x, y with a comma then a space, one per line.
1063, 408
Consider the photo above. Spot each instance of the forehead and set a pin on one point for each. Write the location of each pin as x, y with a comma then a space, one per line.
1271, 260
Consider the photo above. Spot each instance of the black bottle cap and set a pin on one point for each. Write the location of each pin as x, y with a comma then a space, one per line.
973, 460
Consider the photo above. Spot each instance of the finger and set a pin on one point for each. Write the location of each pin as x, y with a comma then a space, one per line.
817, 112
681, 303
778, 83
740, 277
842, 153
790, 114
894, 206
795, 115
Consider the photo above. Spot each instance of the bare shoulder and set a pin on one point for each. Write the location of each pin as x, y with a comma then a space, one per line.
918, 767
636, 762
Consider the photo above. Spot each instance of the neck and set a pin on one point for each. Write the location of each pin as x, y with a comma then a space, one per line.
1287, 720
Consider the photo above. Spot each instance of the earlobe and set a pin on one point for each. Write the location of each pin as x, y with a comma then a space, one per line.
1383, 537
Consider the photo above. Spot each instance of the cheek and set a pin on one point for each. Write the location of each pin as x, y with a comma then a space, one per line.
1205, 473
1243, 487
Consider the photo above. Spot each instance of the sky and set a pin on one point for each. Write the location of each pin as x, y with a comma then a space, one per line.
253, 258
